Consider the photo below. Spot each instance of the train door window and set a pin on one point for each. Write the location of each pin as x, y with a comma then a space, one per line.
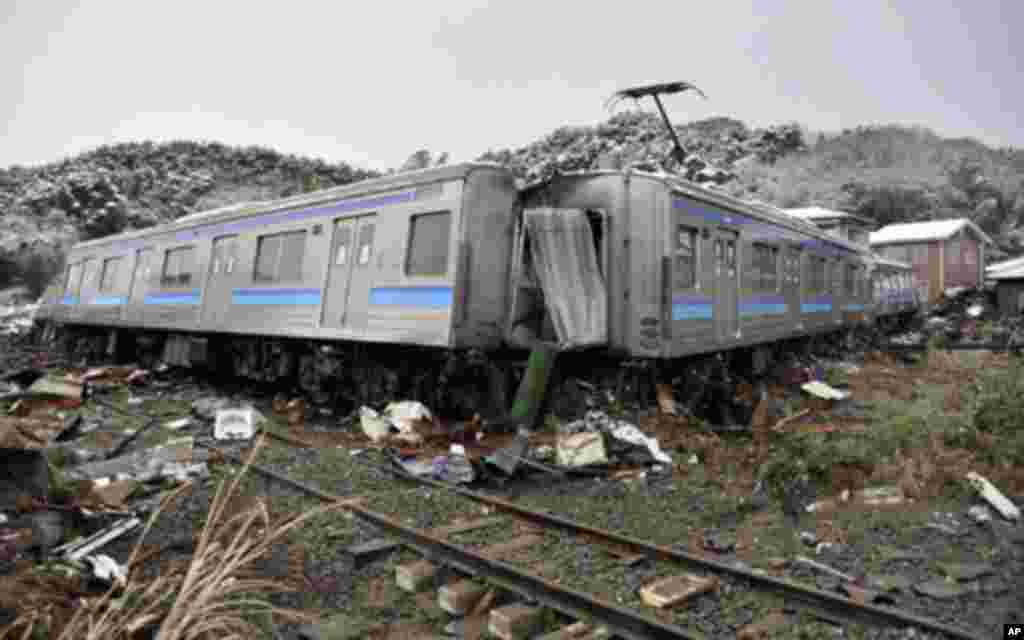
953, 251
224, 254
365, 247
74, 282
764, 268
89, 274
597, 229
686, 258
178, 266
818, 274
342, 242
850, 281
279, 256
108, 279
429, 236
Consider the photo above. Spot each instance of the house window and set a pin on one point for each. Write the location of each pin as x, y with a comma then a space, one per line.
817, 275
764, 268
279, 257
953, 251
108, 281
686, 258
178, 266
429, 236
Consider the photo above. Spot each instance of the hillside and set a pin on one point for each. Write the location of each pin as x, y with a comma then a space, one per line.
887, 173
46, 209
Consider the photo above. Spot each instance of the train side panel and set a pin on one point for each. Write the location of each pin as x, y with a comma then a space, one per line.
489, 204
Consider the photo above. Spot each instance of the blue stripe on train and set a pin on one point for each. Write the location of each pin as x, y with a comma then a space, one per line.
815, 307
692, 308
173, 297
748, 309
276, 296
433, 297
854, 307
109, 300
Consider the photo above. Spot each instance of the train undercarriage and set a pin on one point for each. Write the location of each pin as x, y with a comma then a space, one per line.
456, 384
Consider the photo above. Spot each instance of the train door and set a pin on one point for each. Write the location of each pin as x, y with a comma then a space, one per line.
361, 280
349, 275
791, 284
141, 279
338, 273
726, 284
217, 295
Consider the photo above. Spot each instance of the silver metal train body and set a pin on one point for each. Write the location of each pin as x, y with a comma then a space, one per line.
437, 259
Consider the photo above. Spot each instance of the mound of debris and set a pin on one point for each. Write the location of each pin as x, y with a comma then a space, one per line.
639, 140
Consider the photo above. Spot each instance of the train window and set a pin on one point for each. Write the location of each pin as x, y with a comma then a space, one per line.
74, 279
108, 280
686, 258
365, 247
89, 274
764, 268
178, 266
343, 240
851, 281
429, 235
817, 278
279, 256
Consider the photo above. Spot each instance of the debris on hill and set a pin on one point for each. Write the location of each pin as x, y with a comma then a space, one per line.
639, 140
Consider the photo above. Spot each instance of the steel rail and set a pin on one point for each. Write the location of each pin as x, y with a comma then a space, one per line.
826, 605
575, 604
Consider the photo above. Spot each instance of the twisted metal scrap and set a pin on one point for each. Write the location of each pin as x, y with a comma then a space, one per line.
650, 90
654, 90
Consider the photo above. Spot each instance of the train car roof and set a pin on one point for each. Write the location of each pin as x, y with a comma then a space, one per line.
765, 212
363, 187
889, 262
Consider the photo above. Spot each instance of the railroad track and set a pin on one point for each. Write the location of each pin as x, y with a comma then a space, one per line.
519, 566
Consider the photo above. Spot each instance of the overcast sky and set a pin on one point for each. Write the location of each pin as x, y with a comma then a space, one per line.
369, 83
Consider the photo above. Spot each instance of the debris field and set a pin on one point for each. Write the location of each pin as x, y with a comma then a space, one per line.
163, 504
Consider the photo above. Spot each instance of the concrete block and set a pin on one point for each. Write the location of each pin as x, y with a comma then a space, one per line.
675, 589
515, 621
581, 449
415, 576
459, 598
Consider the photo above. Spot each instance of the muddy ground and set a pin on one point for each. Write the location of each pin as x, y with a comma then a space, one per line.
728, 495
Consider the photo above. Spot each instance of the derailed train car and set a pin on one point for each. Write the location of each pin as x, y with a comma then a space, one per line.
423, 282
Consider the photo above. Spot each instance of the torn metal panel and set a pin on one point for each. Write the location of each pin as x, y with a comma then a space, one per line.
565, 262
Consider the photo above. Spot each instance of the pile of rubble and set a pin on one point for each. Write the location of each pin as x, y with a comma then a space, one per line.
965, 316
639, 140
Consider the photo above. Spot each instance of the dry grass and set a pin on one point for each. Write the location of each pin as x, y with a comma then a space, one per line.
209, 598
